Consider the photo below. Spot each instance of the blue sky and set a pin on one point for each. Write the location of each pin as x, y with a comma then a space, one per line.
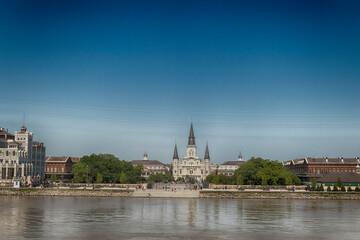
275, 79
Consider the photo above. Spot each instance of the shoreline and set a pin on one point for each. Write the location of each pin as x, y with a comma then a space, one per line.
205, 194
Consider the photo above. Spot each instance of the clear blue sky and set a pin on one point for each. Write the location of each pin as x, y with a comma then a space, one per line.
275, 79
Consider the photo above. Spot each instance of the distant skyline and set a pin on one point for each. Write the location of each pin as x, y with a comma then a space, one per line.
272, 79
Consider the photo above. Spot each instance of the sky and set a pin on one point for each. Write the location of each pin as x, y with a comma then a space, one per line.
273, 79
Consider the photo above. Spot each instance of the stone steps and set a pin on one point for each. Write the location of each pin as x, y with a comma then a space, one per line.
153, 193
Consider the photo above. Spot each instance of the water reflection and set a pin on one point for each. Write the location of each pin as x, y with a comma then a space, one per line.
109, 218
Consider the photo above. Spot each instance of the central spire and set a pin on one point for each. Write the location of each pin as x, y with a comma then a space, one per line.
191, 136
176, 156
207, 155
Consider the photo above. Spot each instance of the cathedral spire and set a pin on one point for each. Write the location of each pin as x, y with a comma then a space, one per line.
207, 155
191, 136
176, 156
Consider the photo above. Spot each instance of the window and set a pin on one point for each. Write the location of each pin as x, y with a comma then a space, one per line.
345, 169
326, 170
62, 169
342, 169
52, 169
337, 170
322, 171
309, 170
7, 153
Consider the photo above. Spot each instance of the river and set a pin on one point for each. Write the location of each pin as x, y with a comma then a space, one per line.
133, 218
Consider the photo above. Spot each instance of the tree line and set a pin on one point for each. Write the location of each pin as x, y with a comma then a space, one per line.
105, 168
257, 171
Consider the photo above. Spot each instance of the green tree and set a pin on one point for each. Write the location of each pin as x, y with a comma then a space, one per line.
53, 178
313, 184
357, 189
328, 189
210, 178
258, 171
217, 180
160, 177
335, 189
240, 180
349, 189
108, 166
339, 183
123, 178
99, 178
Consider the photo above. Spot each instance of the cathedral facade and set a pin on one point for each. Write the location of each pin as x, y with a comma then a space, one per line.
191, 166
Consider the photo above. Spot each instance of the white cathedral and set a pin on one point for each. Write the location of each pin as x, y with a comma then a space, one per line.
191, 165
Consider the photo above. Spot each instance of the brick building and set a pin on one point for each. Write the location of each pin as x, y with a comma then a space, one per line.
60, 166
307, 168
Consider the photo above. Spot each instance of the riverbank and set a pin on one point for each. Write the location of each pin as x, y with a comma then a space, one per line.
280, 195
214, 194
65, 192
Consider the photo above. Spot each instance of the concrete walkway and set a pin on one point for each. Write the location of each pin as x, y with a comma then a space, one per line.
154, 193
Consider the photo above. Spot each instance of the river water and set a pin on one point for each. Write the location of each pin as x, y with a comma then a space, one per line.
133, 218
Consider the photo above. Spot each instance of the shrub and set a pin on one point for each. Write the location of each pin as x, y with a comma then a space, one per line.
328, 189
357, 189
349, 189
343, 189
335, 189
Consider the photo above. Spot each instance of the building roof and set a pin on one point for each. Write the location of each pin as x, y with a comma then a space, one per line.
324, 160
146, 162
346, 177
6, 135
57, 159
234, 163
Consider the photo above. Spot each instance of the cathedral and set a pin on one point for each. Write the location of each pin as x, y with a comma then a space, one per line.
191, 165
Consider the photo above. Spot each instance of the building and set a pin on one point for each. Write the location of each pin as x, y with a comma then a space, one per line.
60, 166
308, 168
21, 157
191, 165
151, 166
228, 168
347, 178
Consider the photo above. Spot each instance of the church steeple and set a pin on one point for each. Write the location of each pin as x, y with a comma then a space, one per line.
191, 136
207, 155
176, 156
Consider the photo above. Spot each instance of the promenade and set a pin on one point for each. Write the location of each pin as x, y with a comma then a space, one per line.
158, 193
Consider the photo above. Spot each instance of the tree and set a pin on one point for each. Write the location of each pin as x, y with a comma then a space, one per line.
99, 178
108, 166
123, 178
258, 171
313, 184
217, 180
357, 189
349, 189
160, 177
210, 178
240, 180
328, 189
53, 178
343, 189
339, 183
335, 189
